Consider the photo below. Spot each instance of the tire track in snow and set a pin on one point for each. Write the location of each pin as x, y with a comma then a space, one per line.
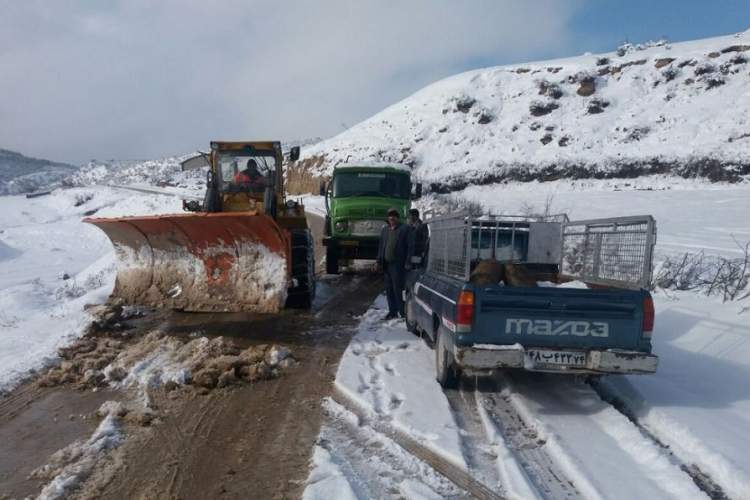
524, 441
375, 466
699, 477
458, 476
591, 440
479, 455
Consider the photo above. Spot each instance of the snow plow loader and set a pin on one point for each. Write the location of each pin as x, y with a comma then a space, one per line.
244, 248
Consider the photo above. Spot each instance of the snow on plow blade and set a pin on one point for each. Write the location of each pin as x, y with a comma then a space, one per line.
226, 262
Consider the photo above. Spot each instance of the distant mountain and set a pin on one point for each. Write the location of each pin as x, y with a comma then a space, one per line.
658, 108
21, 174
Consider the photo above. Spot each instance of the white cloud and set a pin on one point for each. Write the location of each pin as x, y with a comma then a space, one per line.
134, 78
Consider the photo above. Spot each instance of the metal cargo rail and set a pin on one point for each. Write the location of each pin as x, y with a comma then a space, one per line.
616, 251
610, 252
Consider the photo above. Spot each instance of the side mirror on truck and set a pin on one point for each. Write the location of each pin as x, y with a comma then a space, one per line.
294, 153
417, 194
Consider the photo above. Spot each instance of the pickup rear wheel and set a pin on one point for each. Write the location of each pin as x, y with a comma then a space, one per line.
411, 325
446, 374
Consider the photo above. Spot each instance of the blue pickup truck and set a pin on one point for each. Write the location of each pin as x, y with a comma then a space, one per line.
590, 312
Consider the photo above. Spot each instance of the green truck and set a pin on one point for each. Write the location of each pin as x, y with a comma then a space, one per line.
357, 199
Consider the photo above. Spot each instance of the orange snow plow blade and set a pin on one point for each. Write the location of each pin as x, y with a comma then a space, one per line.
225, 262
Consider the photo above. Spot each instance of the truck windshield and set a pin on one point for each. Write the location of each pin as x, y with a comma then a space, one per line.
245, 172
387, 185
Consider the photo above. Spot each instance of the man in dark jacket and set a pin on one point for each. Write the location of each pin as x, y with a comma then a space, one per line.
393, 259
419, 237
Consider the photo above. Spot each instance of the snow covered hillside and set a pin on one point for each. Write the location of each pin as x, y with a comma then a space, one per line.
659, 108
21, 174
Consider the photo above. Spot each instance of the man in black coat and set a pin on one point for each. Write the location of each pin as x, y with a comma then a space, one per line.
419, 239
393, 259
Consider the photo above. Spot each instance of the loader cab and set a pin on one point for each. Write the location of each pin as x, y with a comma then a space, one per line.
245, 173
245, 176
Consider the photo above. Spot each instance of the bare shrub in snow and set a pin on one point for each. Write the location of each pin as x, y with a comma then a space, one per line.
597, 106
681, 273
736, 48
70, 290
670, 73
704, 69
738, 59
304, 176
546, 139
543, 213
82, 198
484, 117
636, 134
719, 276
541, 108
714, 81
548, 89
451, 204
463, 104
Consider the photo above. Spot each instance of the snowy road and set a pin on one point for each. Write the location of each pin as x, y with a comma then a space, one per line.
680, 433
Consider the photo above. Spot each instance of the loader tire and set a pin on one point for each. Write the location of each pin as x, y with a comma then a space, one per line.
303, 270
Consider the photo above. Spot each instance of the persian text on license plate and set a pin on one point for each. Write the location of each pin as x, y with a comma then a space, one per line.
560, 358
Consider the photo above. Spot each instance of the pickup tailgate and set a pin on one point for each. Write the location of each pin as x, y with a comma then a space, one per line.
560, 318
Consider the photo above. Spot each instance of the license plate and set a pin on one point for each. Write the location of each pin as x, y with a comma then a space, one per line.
555, 358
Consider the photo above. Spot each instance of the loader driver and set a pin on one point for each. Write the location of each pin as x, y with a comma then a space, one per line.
250, 178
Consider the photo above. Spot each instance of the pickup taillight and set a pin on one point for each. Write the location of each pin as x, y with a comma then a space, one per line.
465, 310
648, 316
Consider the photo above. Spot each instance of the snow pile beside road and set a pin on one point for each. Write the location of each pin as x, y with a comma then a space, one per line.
390, 372
665, 108
71, 466
326, 479
698, 403
52, 265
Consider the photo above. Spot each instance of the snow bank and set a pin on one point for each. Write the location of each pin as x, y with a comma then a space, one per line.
52, 265
390, 372
698, 403
71, 466
326, 479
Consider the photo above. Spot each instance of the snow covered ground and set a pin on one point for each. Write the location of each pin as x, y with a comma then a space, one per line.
624, 437
691, 215
52, 265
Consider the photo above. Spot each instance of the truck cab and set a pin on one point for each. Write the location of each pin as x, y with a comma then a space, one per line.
357, 199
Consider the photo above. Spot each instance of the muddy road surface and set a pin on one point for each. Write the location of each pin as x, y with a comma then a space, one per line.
245, 440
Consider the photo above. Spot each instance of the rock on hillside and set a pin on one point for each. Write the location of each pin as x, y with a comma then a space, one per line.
656, 108
21, 174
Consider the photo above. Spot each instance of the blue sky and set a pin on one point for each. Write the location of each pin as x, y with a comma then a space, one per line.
143, 79
604, 23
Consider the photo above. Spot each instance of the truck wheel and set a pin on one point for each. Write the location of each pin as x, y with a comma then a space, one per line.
303, 270
332, 260
446, 374
411, 325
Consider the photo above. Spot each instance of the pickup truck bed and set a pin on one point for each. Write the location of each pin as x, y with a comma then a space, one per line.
480, 328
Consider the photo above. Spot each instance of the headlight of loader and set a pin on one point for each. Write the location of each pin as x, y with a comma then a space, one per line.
340, 226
